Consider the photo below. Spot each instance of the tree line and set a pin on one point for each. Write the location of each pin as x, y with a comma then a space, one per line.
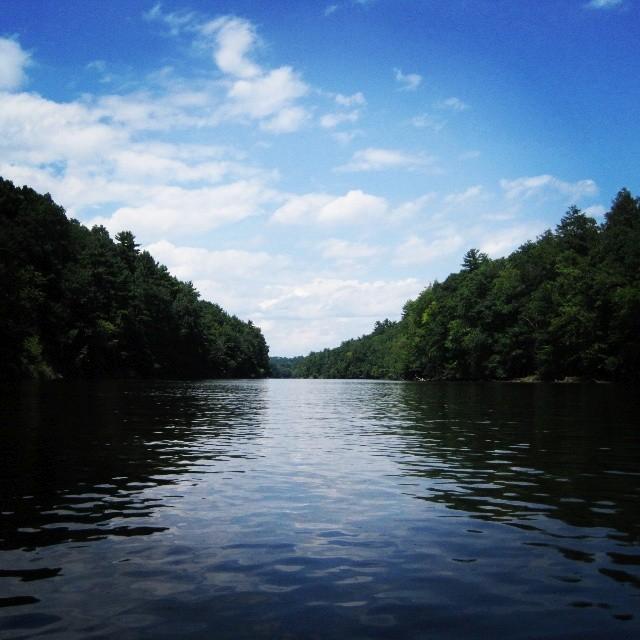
74, 302
564, 305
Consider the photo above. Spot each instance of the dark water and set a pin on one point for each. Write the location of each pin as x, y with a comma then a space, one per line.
319, 509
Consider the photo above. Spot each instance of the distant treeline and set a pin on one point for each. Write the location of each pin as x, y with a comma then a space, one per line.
566, 305
284, 367
75, 303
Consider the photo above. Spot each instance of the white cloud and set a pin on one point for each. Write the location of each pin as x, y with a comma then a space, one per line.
373, 159
332, 120
144, 111
595, 211
175, 210
413, 207
417, 251
503, 241
338, 298
345, 137
603, 4
547, 185
177, 21
195, 263
427, 121
36, 130
13, 62
453, 104
265, 96
345, 251
287, 120
252, 92
353, 207
408, 81
301, 209
355, 100
234, 39
471, 194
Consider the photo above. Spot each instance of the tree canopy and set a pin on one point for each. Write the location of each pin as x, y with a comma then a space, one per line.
74, 302
564, 305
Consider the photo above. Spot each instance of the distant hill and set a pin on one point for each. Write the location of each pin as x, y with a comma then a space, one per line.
283, 367
564, 305
74, 302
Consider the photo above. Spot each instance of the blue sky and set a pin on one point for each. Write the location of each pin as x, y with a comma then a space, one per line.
313, 165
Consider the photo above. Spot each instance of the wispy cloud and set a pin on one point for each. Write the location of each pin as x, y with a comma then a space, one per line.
428, 121
253, 92
603, 4
375, 159
545, 185
407, 81
355, 100
355, 206
453, 104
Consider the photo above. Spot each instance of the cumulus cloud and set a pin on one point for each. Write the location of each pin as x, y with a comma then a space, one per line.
176, 210
253, 92
13, 62
36, 130
547, 185
270, 98
374, 159
355, 206
234, 40
407, 81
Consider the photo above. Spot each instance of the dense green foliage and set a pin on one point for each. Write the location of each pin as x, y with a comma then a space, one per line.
283, 367
75, 303
566, 305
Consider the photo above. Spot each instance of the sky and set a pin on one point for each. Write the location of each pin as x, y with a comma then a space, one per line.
309, 165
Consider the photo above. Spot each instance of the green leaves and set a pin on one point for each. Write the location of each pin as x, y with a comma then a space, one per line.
74, 302
566, 305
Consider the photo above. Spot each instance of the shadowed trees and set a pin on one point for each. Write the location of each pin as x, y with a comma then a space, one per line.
74, 302
564, 305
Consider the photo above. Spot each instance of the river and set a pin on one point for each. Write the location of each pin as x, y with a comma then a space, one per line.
319, 509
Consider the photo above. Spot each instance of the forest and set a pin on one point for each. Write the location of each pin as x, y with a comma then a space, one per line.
76, 303
564, 306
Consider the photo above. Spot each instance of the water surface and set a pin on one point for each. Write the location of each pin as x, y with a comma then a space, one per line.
319, 509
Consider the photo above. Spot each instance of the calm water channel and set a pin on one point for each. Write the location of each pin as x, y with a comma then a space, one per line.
319, 509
